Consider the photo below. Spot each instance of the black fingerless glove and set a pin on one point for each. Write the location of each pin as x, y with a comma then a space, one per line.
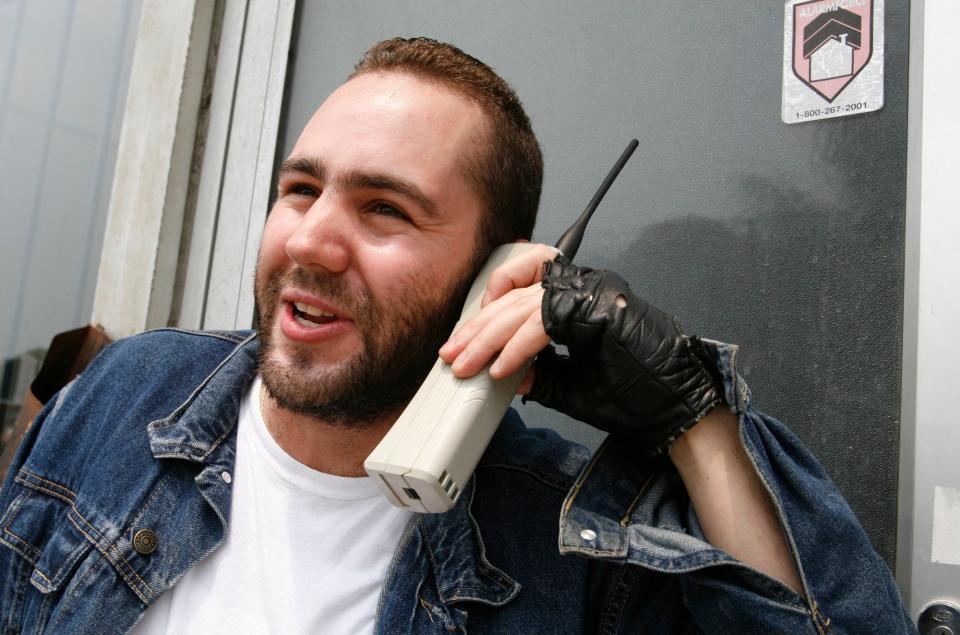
630, 370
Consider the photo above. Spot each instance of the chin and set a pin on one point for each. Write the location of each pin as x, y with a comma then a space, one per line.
303, 365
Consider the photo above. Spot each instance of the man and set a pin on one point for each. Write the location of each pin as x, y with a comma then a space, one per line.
214, 482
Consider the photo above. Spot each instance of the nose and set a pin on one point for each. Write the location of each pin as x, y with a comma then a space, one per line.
322, 238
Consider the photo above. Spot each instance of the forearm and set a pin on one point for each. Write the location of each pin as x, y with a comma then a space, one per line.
731, 503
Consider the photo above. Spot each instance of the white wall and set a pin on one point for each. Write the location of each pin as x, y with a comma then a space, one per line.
63, 75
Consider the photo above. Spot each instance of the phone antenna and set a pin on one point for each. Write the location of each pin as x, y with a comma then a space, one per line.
569, 243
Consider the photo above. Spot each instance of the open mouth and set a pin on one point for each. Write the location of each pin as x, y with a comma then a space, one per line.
311, 316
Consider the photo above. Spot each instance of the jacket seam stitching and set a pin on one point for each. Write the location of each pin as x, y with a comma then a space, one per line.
40, 488
581, 479
42, 575
16, 549
220, 335
119, 557
409, 531
597, 552
14, 510
644, 489
143, 508
217, 442
8, 518
812, 606
69, 497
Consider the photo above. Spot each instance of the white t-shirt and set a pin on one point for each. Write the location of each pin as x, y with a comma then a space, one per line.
306, 552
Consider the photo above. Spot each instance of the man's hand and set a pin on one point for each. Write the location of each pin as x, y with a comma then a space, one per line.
509, 324
632, 372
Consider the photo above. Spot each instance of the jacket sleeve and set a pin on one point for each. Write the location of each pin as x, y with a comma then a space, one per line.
640, 513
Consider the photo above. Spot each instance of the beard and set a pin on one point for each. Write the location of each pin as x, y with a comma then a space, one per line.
399, 346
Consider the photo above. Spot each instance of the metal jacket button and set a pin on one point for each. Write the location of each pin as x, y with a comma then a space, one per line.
145, 541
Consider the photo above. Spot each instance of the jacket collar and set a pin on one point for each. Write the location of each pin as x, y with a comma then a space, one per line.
200, 424
458, 557
455, 543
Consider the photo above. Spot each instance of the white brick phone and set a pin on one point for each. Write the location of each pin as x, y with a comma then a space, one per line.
428, 455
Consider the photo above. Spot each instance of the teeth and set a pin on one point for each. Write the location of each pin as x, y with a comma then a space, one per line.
305, 322
312, 310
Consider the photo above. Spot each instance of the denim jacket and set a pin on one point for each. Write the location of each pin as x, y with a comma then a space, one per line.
139, 443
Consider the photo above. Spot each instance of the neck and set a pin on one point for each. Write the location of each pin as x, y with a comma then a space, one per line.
331, 448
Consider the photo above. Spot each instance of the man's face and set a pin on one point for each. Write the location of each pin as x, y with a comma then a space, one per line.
369, 248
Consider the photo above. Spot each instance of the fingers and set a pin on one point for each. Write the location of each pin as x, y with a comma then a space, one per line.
529, 340
510, 326
520, 271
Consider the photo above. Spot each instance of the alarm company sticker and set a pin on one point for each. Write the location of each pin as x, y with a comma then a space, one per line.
832, 58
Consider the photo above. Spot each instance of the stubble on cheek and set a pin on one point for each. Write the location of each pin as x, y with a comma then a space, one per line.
401, 334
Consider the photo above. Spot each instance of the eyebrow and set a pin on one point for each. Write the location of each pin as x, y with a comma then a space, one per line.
311, 166
354, 180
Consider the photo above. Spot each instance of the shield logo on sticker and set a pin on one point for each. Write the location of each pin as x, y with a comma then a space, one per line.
832, 43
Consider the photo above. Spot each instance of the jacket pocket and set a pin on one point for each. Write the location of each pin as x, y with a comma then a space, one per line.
37, 527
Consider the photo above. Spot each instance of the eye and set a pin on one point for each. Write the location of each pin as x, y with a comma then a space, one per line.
302, 189
291, 187
391, 211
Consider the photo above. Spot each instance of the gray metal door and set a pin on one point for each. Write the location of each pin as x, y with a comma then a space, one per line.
787, 240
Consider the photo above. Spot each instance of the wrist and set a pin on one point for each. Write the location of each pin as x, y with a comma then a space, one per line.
698, 449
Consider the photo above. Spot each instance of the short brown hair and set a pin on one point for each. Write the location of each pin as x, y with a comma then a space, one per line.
507, 170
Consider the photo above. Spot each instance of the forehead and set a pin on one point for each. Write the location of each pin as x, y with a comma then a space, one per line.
395, 123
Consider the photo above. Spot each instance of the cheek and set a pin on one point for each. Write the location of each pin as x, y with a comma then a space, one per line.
401, 273
414, 288
273, 242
